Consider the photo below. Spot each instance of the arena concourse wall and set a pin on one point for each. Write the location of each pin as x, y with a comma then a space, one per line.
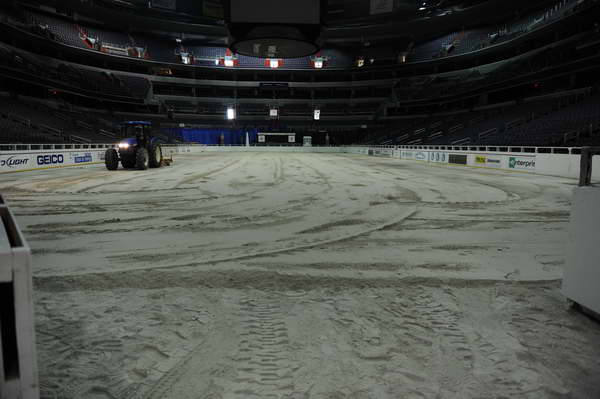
552, 164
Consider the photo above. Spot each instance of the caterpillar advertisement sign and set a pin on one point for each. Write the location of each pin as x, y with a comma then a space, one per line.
488, 162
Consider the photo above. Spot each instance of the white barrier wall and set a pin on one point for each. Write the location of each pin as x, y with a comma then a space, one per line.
14, 161
564, 165
18, 365
581, 281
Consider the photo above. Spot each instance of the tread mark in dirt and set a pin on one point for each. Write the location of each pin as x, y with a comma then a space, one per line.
263, 369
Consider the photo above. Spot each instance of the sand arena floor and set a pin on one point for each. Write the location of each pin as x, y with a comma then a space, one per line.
282, 275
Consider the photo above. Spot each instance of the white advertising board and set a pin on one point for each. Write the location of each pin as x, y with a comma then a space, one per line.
522, 163
28, 160
489, 161
438, 157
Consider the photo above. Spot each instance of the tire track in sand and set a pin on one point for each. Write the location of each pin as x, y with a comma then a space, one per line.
263, 368
207, 174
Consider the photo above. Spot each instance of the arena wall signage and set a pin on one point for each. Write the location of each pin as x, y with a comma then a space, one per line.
13, 162
421, 156
82, 157
407, 155
30, 160
488, 161
492, 160
523, 163
566, 165
458, 159
438, 157
50, 159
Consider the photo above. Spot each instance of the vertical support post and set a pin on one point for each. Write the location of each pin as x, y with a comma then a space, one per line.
2, 376
585, 169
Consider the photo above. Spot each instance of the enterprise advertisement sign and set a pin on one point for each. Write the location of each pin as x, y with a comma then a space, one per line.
522, 163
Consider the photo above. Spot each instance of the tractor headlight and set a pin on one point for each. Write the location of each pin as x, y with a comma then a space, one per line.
123, 146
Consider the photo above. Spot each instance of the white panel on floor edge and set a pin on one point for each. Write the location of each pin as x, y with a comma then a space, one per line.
581, 282
18, 362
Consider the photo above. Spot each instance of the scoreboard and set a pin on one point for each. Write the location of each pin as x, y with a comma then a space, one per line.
281, 12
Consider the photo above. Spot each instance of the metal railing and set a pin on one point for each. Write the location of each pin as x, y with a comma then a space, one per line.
487, 148
470, 148
43, 147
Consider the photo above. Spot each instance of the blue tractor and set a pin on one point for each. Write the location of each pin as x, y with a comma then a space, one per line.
140, 150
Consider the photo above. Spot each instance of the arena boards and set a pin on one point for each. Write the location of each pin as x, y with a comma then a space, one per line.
563, 165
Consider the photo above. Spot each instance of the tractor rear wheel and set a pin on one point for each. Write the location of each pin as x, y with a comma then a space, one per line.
141, 159
111, 159
155, 153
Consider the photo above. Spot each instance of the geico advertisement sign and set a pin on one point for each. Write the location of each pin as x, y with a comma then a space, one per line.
13, 161
50, 159
521, 163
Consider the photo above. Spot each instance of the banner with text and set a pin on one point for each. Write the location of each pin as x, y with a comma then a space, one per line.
27, 160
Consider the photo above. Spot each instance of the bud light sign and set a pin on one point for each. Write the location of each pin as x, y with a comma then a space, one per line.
50, 159
13, 162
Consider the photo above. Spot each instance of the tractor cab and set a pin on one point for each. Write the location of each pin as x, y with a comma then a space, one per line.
139, 149
138, 130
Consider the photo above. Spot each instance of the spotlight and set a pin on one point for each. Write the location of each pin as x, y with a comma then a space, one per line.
273, 63
230, 113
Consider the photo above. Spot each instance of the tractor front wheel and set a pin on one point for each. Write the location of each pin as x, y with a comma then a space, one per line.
156, 157
111, 159
141, 159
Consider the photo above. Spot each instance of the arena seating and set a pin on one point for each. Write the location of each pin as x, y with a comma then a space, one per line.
552, 127
544, 121
35, 122
137, 86
477, 39
15, 131
64, 31
455, 43
121, 85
